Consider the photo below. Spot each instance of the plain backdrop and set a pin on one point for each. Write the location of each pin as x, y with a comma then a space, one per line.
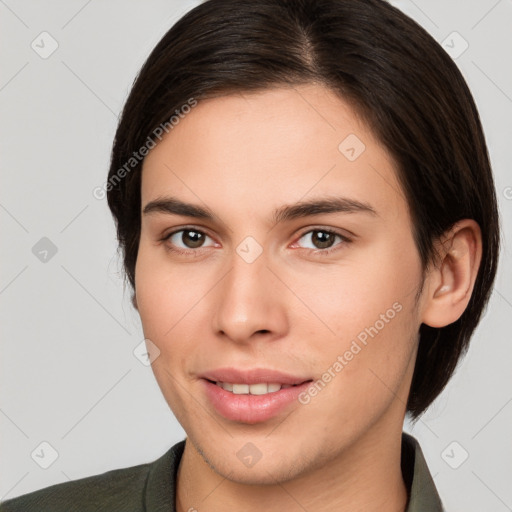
69, 376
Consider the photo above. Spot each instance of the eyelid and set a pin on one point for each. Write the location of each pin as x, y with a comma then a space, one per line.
192, 227
343, 233
198, 229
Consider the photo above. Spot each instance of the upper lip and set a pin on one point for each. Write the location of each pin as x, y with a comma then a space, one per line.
252, 376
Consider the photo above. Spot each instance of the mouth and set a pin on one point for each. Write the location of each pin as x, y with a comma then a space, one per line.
252, 397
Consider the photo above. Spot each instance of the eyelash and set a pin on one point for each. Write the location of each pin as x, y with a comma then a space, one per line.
194, 252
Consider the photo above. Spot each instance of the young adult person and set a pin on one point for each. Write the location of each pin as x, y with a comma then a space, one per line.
306, 210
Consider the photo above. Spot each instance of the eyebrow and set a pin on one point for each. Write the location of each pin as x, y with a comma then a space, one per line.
318, 206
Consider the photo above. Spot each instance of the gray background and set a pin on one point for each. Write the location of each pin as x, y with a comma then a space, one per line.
68, 373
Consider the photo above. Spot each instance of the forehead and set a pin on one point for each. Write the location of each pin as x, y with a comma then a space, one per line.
272, 147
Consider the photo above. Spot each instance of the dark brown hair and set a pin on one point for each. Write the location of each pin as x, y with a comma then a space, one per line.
397, 78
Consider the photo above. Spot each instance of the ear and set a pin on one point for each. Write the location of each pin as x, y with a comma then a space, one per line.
451, 282
134, 301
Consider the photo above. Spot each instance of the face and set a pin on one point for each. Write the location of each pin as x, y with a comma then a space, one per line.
325, 294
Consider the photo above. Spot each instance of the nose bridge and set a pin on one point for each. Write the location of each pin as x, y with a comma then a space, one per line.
247, 300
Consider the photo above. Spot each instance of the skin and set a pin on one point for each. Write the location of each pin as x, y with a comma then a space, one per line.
292, 309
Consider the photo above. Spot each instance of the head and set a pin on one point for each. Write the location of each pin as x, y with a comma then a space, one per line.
246, 107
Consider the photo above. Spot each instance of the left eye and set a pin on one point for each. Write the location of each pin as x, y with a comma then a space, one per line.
323, 239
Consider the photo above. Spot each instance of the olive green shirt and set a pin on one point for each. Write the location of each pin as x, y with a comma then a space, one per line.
151, 487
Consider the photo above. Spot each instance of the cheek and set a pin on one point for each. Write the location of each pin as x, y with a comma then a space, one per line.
171, 305
154, 286
346, 299
369, 307
364, 370
159, 286
165, 298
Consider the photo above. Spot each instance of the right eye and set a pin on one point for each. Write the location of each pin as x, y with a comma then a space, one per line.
190, 238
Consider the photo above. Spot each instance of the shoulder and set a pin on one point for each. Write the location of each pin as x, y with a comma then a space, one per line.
114, 491
149, 486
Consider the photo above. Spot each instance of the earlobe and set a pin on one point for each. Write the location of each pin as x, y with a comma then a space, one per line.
451, 283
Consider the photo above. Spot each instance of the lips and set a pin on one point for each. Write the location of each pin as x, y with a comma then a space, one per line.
248, 402
251, 409
253, 376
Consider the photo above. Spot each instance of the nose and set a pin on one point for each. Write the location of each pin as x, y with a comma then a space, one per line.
250, 302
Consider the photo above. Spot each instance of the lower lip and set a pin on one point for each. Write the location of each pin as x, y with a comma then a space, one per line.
251, 408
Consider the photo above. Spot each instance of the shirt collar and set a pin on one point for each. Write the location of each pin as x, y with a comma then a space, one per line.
422, 494
421, 489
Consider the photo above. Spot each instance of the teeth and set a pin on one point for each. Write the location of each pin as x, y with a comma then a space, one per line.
253, 389
240, 389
